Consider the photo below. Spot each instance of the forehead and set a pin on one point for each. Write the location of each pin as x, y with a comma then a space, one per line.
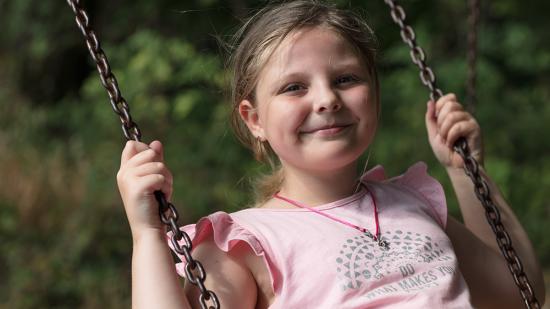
304, 51
302, 48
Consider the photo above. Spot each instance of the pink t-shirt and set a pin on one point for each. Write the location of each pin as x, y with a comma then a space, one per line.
315, 262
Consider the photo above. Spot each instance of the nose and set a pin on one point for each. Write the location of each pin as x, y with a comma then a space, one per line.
328, 101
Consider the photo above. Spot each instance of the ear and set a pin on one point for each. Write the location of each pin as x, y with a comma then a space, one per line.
249, 114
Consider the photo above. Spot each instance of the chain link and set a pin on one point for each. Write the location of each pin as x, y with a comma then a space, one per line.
108, 80
493, 218
471, 166
418, 56
167, 211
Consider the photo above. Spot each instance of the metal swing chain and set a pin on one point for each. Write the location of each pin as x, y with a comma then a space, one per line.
471, 166
194, 270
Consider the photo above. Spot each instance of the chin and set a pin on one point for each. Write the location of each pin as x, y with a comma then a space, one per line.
331, 161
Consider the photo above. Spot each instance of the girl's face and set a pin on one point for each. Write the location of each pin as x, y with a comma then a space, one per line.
313, 102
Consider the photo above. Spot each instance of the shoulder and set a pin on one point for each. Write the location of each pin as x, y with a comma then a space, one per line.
415, 178
229, 254
228, 274
415, 182
224, 230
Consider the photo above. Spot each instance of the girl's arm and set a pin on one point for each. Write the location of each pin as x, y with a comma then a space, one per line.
483, 266
155, 282
154, 279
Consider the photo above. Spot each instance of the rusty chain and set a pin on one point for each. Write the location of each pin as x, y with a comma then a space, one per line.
194, 270
118, 103
471, 166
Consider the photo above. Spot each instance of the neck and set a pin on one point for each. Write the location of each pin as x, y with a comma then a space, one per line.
318, 187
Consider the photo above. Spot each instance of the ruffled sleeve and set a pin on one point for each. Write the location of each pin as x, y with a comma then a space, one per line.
220, 227
417, 180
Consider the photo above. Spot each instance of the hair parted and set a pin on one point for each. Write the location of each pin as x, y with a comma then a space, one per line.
259, 37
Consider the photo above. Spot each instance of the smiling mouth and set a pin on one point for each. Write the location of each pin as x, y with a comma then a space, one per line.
328, 131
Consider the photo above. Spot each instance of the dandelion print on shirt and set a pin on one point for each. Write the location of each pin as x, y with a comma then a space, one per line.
414, 262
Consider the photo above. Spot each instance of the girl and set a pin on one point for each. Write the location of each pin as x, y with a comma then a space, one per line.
305, 95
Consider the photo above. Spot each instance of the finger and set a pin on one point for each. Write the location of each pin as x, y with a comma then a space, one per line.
152, 168
167, 190
129, 174
442, 101
460, 129
157, 146
150, 183
128, 152
131, 149
156, 182
449, 107
450, 120
143, 157
431, 121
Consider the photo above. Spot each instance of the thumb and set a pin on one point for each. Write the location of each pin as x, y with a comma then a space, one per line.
157, 147
431, 120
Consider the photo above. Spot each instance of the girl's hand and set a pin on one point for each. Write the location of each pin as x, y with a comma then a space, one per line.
142, 172
446, 121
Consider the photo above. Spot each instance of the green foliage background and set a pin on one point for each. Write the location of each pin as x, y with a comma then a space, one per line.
64, 239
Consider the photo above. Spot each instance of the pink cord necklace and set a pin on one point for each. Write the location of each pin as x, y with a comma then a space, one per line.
376, 237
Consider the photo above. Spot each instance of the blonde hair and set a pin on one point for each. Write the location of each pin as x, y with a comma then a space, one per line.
254, 43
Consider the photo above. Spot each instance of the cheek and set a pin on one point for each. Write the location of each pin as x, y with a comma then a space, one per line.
285, 118
364, 108
361, 103
370, 112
